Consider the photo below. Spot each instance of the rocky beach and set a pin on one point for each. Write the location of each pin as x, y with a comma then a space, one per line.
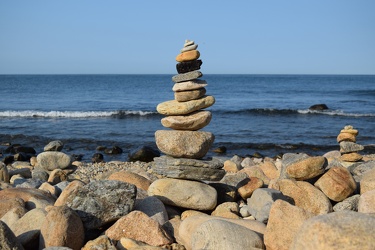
178, 198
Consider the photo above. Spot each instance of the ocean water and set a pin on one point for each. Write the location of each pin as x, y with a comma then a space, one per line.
267, 114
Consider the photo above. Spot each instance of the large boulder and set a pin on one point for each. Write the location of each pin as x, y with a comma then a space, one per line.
338, 230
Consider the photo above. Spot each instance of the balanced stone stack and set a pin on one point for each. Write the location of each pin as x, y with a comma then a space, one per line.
184, 144
348, 146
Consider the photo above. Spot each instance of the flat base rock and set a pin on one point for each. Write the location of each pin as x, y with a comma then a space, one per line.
190, 169
184, 144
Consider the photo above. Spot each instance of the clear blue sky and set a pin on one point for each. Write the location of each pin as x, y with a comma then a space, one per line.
131, 37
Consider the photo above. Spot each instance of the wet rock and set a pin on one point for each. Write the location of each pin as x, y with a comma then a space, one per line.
115, 150
145, 154
54, 146
318, 107
97, 158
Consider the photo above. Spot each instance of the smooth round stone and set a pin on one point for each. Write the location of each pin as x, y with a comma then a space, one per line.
184, 193
184, 144
351, 157
174, 107
189, 85
184, 67
307, 168
187, 76
188, 56
346, 137
190, 47
51, 160
193, 121
184, 96
349, 129
188, 42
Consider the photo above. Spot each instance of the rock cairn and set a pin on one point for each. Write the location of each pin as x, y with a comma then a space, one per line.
348, 146
185, 145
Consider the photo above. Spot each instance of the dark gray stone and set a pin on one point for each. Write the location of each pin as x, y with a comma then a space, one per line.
189, 169
103, 201
145, 154
187, 76
349, 147
184, 67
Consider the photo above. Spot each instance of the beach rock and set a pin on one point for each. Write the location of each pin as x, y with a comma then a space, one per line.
184, 67
132, 178
289, 159
231, 166
33, 198
269, 169
68, 192
127, 243
145, 154
184, 144
138, 226
306, 168
188, 56
234, 179
305, 195
350, 147
193, 121
247, 162
283, 224
68, 233
367, 182
188, 42
260, 202
338, 230
351, 157
366, 203
50, 189
41, 174
246, 187
101, 201
115, 150
57, 176
189, 47
54, 146
7, 238
337, 183
189, 85
27, 228
346, 137
184, 193
154, 208
192, 75
51, 160
100, 243
257, 172
188, 95
227, 236
227, 210
174, 107
190, 169
350, 203
4, 174
318, 107
97, 158
349, 129
359, 170
191, 224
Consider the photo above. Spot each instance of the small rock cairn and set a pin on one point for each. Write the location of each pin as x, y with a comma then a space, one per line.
348, 146
185, 145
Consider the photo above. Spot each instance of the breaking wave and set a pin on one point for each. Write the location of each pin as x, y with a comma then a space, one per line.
75, 114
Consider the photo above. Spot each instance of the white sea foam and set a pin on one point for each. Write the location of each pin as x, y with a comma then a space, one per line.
333, 113
72, 114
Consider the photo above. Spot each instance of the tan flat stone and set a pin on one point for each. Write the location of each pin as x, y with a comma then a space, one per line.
191, 122
189, 85
184, 96
174, 107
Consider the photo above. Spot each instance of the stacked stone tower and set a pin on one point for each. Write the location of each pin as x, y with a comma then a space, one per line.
348, 146
184, 143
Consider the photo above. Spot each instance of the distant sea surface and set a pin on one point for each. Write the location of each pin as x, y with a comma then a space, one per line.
268, 114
